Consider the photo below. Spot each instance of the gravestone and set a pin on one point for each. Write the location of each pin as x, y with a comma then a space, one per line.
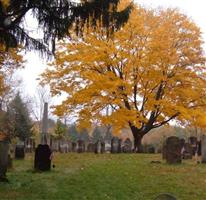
114, 145
151, 149
165, 197
97, 147
173, 150
127, 146
42, 160
90, 148
188, 151
4, 149
193, 142
80, 146
199, 153
102, 147
74, 146
19, 151
119, 146
203, 148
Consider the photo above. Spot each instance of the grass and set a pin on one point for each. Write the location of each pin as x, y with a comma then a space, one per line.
102, 177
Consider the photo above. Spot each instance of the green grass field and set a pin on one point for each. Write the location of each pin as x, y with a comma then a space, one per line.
102, 177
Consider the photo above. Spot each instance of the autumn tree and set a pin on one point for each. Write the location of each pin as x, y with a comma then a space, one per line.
152, 72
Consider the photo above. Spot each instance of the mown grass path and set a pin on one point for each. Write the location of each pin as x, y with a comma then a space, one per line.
102, 177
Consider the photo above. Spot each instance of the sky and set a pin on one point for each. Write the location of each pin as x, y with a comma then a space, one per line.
195, 9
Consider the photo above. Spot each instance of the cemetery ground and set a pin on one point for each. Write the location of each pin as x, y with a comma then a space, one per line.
105, 176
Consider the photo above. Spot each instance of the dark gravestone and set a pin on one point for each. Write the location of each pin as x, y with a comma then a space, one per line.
102, 147
193, 143
91, 148
151, 149
188, 151
199, 153
97, 147
127, 146
80, 146
19, 151
119, 146
165, 197
74, 147
42, 160
114, 145
4, 150
173, 150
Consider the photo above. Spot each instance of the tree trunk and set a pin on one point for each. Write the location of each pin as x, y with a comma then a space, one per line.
138, 135
138, 144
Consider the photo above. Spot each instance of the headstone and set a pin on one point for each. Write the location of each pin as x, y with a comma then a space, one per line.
173, 150
42, 160
127, 146
80, 146
74, 146
114, 145
91, 148
102, 147
193, 142
4, 150
188, 151
19, 151
199, 153
151, 149
119, 146
97, 147
203, 148
165, 197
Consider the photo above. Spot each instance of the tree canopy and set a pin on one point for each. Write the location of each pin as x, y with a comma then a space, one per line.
153, 71
55, 17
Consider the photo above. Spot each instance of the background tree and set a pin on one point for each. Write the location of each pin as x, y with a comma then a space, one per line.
55, 17
153, 71
19, 116
10, 61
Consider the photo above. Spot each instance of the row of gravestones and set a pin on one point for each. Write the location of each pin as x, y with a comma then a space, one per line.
175, 149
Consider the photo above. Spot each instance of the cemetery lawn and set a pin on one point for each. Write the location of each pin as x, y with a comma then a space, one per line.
102, 177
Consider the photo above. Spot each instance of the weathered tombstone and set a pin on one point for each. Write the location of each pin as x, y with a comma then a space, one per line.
42, 159
199, 153
90, 148
151, 149
165, 197
203, 148
20, 151
74, 146
114, 145
119, 146
43, 152
127, 146
107, 147
80, 146
102, 147
193, 142
188, 151
173, 150
4, 149
97, 147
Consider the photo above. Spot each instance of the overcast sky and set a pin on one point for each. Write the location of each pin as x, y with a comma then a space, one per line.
196, 9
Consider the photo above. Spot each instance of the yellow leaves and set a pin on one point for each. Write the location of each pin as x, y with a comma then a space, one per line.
154, 64
5, 3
